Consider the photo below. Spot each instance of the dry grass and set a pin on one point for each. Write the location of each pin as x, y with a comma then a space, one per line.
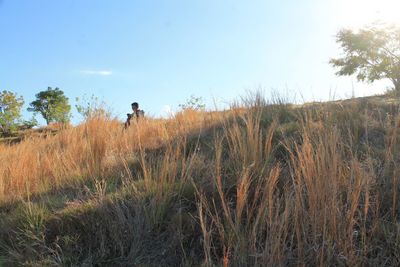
93, 149
259, 185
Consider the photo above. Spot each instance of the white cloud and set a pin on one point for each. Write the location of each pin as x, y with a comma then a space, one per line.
97, 72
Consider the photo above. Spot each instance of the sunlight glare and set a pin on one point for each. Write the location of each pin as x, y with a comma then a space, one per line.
355, 14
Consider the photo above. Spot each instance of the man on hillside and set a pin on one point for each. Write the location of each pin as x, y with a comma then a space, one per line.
137, 113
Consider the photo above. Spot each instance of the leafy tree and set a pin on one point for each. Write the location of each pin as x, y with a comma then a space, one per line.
372, 53
53, 105
10, 111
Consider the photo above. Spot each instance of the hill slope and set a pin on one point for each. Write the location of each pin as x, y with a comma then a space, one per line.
258, 185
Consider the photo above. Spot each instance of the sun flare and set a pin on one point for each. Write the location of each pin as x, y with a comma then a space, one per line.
358, 13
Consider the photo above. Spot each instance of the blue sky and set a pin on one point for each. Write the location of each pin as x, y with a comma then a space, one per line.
160, 52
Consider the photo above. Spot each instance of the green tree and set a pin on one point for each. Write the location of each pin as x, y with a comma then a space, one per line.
372, 53
10, 111
53, 105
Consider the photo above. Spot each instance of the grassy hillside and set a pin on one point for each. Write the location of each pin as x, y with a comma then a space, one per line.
257, 185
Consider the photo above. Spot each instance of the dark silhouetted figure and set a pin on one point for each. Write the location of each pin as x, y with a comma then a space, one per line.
137, 113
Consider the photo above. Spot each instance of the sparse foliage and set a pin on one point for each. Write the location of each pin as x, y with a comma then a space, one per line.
53, 105
92, 107
372, 53
10, 111
193, 103
29, 124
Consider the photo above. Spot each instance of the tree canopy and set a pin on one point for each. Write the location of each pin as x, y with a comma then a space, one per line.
372, 53
52, 104
10, 111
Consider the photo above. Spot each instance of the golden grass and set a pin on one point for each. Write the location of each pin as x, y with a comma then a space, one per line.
259, 185
92, 149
